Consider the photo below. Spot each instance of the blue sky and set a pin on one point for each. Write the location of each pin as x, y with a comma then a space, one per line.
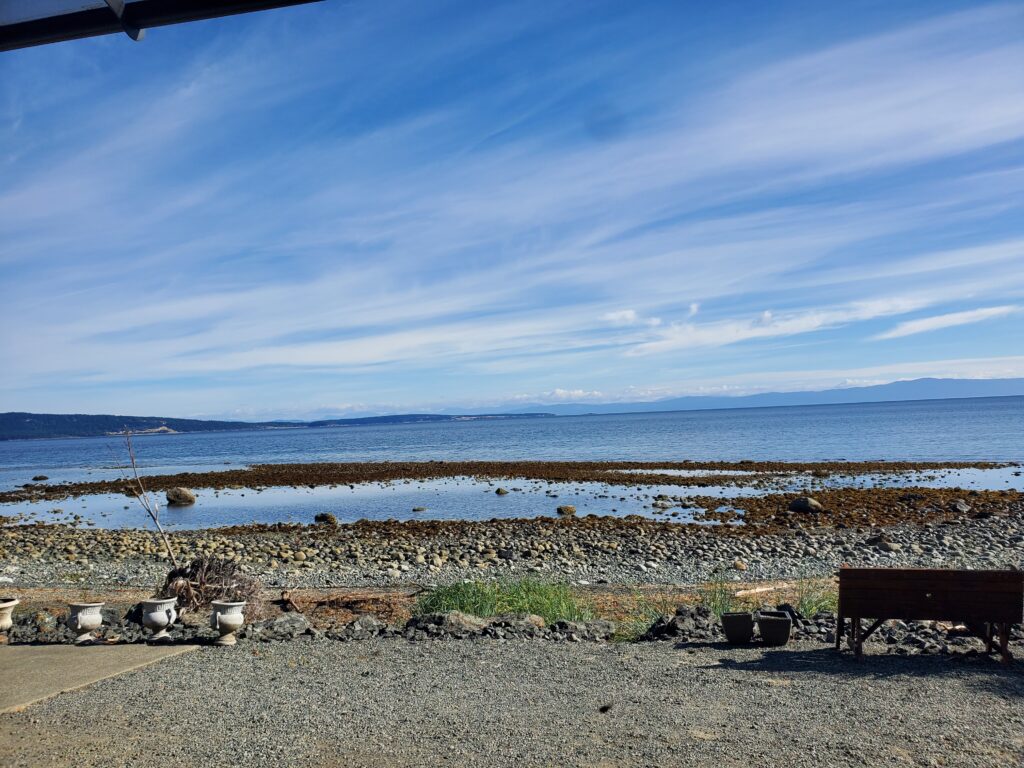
371, 207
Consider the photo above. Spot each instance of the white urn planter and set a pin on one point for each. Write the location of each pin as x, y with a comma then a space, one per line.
158, 614
85, 618
6, 609
227, 618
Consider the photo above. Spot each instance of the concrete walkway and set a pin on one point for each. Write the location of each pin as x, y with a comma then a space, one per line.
32, 673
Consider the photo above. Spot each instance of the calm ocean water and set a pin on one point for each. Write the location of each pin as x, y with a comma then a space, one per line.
989, 429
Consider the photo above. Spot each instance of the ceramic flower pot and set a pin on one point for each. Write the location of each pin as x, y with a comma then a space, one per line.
227, 618
158, 614
738, 627
6, 609
775, 627
85, 618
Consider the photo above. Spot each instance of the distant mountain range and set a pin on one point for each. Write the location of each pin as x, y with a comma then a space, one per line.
15, 426
19, 426
915, 389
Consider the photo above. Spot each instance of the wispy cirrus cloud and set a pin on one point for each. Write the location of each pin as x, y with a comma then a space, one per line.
630, 317
328, 204
769, 324
950, 320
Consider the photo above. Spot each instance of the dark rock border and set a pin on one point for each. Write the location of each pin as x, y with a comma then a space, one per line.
688, 626
696, 624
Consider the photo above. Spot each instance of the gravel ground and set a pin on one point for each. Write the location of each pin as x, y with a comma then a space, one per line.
391, 702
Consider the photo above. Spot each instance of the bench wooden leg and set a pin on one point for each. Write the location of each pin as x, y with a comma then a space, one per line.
1004, 643
840, 630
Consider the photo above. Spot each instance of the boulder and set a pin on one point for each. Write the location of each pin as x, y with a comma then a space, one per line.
690, 623
39, 478
501, 492
566, 510
600, 629
368, 624
286, 627
180, 497
805, 504
326, 518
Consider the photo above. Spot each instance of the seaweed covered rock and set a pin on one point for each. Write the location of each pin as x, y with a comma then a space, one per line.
805, 504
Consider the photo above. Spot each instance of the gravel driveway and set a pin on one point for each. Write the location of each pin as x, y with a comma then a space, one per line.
481, 703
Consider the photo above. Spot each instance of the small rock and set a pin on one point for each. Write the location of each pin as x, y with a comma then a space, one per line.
366, 625
454, 623
805, 504
520, 622
739, 565
180, 497
501, 492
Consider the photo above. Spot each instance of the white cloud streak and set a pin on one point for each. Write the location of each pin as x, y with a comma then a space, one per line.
768, 325
950, 320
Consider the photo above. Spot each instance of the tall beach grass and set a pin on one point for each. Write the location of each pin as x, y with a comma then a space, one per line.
551, 601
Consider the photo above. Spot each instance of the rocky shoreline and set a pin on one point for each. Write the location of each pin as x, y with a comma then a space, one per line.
921, 527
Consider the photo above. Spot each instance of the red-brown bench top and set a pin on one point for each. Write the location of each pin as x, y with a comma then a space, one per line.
935, 594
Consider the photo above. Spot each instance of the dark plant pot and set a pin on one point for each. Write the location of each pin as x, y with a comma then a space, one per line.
775, 627
738, 627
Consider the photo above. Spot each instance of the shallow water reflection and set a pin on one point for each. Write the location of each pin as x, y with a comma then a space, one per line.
465, 498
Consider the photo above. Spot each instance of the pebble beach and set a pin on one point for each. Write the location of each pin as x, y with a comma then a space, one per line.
773, 535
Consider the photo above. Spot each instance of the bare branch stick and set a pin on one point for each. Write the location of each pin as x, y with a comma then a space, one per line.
151, 506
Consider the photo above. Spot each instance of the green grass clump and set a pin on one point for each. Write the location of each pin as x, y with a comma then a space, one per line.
552, 602
815, 597
719, 595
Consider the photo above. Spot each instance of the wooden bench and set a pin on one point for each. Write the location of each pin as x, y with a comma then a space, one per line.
987, 602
